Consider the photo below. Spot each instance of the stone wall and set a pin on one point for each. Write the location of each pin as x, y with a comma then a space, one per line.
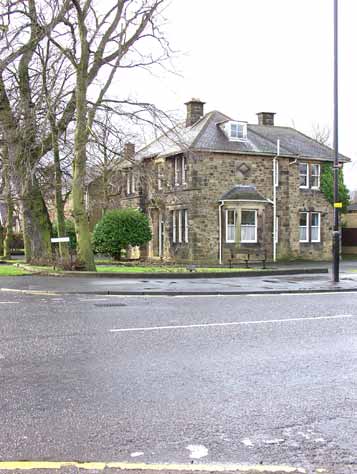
208, 177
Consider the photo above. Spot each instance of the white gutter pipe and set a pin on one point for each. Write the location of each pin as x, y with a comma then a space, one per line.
220, 231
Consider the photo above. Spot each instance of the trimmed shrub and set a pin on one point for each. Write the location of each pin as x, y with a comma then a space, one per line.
327, 186
120, 228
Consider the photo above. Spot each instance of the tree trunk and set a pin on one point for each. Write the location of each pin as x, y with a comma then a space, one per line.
6, 250
36, 223
85, 252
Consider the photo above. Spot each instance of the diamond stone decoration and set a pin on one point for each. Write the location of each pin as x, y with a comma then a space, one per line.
243, 168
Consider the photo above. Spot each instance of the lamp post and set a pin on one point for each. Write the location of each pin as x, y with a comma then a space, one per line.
336, 230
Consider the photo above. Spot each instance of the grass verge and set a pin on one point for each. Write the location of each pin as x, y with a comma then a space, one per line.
11, 270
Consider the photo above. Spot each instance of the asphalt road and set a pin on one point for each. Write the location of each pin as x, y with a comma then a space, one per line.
268, 379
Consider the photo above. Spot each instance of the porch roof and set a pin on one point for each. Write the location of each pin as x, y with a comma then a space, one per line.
242, 192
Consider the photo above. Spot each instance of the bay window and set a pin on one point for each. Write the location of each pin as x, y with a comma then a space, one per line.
230, 225
248, 226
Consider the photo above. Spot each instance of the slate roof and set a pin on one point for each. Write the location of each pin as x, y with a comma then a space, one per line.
243, 193
207, 135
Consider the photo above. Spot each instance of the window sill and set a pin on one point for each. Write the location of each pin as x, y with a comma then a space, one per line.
248, 241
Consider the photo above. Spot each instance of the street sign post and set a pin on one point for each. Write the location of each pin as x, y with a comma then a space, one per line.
57, 240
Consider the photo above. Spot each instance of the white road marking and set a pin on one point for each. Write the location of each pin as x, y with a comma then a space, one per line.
247, 442
93, 299
234, 323
136, 454
274, 441
9, 302
197, 451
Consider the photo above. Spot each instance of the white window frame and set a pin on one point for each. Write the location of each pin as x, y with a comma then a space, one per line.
174, 227
180, 226
133, 183
307, 176
128, 183
176, 168
237, 137
159, 178
314, 175
255, 240
185, 218
316, 227
233, 226
307, 227
183, 169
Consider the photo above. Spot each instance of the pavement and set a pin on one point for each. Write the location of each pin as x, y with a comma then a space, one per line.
238, 285
173, 384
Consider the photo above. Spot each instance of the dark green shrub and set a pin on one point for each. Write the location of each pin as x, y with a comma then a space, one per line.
120, 228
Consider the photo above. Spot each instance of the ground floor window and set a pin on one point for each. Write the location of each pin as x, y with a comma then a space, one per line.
179, 226
315, 227
310, 227
304, 227
248, 226
230, 225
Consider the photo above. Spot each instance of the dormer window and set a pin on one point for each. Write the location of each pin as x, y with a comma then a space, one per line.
236, 131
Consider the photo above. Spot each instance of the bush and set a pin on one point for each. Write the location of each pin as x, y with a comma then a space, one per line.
120, 228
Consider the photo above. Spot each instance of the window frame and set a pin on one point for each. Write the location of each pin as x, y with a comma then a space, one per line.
174, 227
307, 240
179, 226
185, 226
318, 214
237, 125
307, 176
249, 225
318, 175
183, 169
234, 225
128, 183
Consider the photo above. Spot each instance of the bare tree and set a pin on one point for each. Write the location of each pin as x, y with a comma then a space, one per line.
103, 42
23, 121
321, 134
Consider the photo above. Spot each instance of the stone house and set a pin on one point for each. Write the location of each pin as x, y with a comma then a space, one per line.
217, 187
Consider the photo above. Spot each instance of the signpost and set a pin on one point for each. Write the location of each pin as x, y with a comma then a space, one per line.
57, 240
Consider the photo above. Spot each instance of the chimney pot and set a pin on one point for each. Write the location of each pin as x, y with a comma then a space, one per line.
266, 118
195, 108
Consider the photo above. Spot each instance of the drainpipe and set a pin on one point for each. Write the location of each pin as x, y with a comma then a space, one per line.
220, 230
274, 198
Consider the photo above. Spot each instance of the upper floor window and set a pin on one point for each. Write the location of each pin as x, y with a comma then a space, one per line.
304, 175
238, 131
315, 176
248, 226
130, 182
180, 170
160, 176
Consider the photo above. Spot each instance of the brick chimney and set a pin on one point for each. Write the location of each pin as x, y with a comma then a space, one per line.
266, 118
129, 151
194, 111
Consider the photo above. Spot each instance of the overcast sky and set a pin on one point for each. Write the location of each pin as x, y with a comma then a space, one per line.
246, 56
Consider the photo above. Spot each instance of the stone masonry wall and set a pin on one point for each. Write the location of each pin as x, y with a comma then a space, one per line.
208, 177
